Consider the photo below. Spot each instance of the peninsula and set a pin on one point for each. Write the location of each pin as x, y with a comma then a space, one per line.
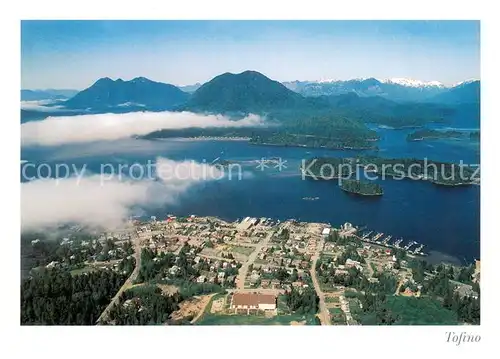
430, 134
439, 173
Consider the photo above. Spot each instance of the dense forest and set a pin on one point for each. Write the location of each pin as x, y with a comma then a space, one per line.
363, 188
143, 305
441, 281
303, 302
55, 297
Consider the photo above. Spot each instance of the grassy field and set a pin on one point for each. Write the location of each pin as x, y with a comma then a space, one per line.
215, 319
409, 311
335, 311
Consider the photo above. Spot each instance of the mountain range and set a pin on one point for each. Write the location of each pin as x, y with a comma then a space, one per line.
468, 92
248, 91
400, 90
139, 93
49, 94
336, 118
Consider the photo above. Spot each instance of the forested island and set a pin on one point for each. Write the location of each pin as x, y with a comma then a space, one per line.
430, 134
440, 173
313, 129
361, 188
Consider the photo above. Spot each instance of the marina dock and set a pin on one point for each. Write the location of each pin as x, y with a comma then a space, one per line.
386, 242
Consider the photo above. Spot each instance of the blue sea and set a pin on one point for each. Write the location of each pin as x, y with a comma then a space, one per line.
445, 220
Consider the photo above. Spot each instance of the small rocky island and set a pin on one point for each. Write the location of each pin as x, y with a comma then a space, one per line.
361, 188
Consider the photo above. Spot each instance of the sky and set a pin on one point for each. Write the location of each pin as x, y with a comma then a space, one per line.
74, 54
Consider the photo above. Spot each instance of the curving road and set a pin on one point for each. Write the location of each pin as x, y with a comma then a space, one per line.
129, 281
323, 310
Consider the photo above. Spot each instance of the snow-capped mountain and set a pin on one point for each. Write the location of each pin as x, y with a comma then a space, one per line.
325, 81
396, 89
395, 80
412, 83
469, 81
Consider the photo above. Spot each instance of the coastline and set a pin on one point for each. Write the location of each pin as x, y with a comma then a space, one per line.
249, 140
210, 138
344, 148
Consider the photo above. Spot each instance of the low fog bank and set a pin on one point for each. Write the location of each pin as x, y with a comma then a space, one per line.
97, 200
41, 105
98, 127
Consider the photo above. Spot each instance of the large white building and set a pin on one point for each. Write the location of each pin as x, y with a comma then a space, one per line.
253, 301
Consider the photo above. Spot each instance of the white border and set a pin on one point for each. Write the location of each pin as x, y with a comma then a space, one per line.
220, 342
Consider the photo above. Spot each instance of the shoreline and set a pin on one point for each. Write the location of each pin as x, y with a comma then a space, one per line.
207, 138
345, 148
432, 255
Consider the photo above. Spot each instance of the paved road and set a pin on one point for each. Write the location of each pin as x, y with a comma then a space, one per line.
128, 282
324, 313
242, 273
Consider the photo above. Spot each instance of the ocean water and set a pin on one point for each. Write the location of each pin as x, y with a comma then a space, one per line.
445, 220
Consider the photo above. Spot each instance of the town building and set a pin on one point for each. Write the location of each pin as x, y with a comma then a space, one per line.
252, 301
246, 223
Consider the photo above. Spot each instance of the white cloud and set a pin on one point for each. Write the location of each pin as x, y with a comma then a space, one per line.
88, 128
40, 105
101, 201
